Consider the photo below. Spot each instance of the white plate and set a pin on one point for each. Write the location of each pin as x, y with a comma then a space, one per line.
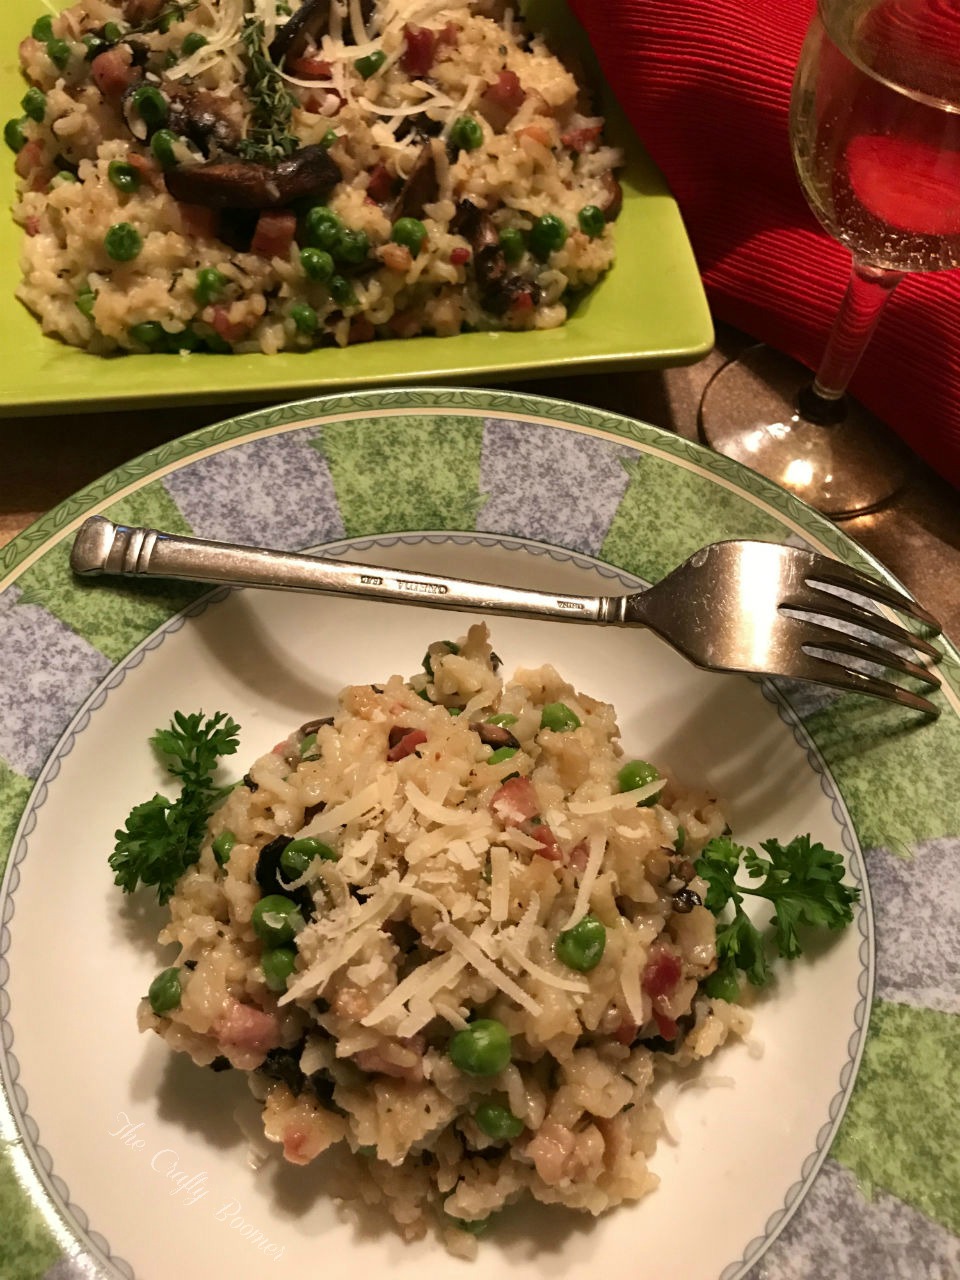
108, 1121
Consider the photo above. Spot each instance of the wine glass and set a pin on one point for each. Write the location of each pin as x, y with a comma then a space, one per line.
875, 134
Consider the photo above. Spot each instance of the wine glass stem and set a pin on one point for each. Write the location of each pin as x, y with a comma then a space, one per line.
867, 294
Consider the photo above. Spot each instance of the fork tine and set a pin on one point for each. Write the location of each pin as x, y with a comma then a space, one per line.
832, 606
823, 671
811, 633
835, 574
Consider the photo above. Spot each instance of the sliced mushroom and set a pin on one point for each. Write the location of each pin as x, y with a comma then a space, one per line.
420, 125
312, 726
242, 184
499, 290
494, 735
203, 118
421, 188
309, 23
137, 11
612, 202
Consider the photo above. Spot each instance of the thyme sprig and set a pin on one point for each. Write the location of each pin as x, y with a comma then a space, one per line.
268, 138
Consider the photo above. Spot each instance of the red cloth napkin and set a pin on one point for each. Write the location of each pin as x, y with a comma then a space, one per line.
706, 84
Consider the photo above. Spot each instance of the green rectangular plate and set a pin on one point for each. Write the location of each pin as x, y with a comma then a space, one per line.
649, 311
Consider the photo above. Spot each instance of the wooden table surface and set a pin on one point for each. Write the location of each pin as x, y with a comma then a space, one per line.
917, 535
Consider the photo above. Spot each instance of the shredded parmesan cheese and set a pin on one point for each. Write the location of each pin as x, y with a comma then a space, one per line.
499, 883
469, 949
596, 845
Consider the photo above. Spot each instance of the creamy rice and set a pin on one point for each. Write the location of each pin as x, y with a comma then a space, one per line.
170, 121
461, 843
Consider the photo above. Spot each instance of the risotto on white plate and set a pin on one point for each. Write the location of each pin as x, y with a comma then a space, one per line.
258, 176
455, 929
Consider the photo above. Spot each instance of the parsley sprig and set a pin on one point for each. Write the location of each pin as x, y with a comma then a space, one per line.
803, 881
271, 103
162, 837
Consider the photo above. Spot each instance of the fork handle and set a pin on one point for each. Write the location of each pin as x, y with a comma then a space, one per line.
102, 547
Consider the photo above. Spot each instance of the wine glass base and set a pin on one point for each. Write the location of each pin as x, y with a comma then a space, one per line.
749, 412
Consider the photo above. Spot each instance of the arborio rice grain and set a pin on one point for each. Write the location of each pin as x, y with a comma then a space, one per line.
459, 165
457, 837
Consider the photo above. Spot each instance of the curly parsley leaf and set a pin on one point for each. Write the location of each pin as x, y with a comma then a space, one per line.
802, 880
162, 837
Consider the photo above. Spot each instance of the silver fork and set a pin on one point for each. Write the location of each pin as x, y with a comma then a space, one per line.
753, 607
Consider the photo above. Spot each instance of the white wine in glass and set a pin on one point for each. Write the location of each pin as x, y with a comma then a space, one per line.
875, 132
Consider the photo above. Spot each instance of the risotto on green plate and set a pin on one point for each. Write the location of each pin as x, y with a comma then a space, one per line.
256, 176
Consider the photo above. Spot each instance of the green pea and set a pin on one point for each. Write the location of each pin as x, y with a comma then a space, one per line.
210, 284
213, 342
185, 340
497, 1121
317, 264
473, 1226
94, 45
125, 177
151, 105
34, 103
481, 1049
163, 144
466, 134
308, 747
410, 232
150, 333
84, 302
321, 227
58, 52
329, 138
164, 993
501, 754
559, 717
63, 176
298, 855
342, 291
592, 221
276, 920
454, 711
502, 718
191, 43
304, 317
351, 246
549, 234
112, 32
637, 773
277, 965
513, 245
42, 29
681, 839
13, 134
123, 242
582, 947
722, 983
223, 847
371, 63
